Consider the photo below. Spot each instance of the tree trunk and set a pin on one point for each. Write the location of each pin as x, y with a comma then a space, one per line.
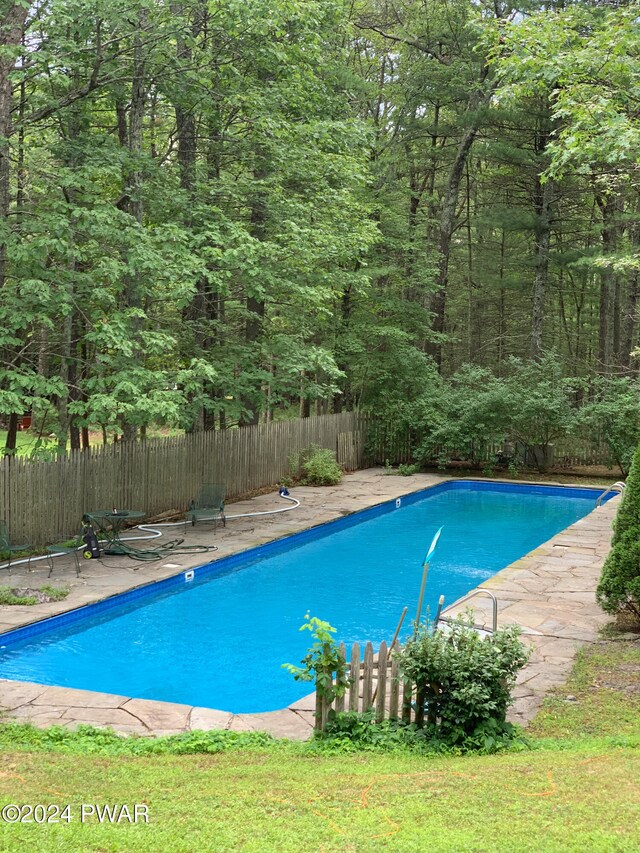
11, 33
11, 28
501, 305
608, 238
255, 305
133, 188
344, 398
12, 435
629, 322
544, 199
477, 100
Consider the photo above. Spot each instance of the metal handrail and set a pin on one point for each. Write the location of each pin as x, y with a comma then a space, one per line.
618, 486
471, 595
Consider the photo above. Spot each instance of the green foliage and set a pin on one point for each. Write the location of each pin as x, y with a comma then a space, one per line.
475, 410
86, 740
268, 231
324, 663
531, 405
354, 732
317, 466
619, 585
408, 470
628, 515
613, 416
52, 593
7, 597
464, 679
469, 414
540, 400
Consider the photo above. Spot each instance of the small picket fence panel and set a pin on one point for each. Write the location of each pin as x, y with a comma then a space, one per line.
376, 685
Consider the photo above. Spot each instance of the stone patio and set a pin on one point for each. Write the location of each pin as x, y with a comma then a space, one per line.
549, 592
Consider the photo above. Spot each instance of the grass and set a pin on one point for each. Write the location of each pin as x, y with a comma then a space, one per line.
605, 695
287, 801
576, 789
27, 441
53, 593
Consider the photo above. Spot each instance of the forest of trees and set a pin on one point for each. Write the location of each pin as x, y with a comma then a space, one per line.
213, 212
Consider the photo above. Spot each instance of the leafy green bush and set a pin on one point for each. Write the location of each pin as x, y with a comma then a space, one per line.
319, 467
464, 680
469, 415
541, 404
612, 416
408, 470
619, 586
352, 732
531, 404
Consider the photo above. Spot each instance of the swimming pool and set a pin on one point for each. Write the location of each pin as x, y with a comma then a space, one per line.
220, 640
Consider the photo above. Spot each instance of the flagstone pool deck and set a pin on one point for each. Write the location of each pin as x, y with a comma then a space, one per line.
549, 592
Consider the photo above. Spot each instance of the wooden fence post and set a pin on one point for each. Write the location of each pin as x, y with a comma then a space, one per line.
381, 696
354, 674
394, 689
367, 678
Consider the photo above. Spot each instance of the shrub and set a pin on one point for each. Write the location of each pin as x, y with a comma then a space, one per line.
612, 417
469, 414
540, 401
354, 732
319, 467
408, 470
619, 585
464, 679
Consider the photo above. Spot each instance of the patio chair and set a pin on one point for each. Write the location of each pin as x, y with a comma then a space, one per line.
68, 546
7, 547
208, 506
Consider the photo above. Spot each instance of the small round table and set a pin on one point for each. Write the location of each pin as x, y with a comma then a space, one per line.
108, 525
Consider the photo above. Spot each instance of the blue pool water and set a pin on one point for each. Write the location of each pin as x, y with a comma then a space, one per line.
220, 642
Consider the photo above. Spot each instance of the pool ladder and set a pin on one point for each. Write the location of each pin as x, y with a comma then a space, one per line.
618, 486
473, 594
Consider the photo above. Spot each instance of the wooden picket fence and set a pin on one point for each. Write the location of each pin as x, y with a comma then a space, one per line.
375, 686
43, 501
386, 443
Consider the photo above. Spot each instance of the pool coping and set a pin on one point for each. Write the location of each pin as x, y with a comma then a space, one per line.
551, 629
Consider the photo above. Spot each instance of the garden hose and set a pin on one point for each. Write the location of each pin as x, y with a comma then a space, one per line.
158, 553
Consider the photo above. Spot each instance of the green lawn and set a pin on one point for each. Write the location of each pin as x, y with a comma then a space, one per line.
605, 691
578, 789
26, 441
579, 800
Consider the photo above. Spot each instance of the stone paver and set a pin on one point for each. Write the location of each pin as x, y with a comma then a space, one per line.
549, 592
